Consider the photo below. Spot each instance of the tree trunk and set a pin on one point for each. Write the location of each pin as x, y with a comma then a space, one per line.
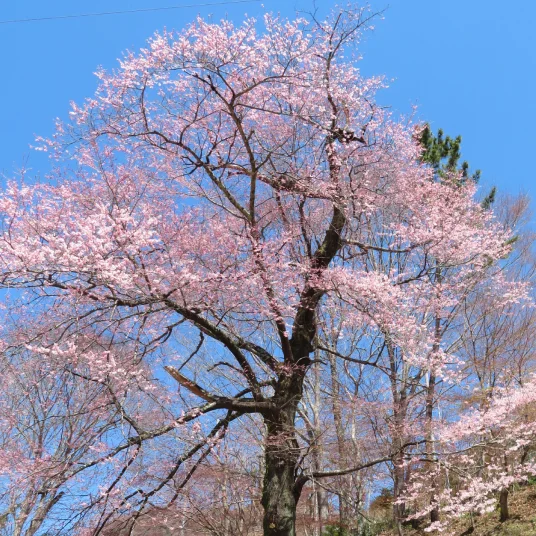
401, 472
503, 504
279, 497
430, 401
319, 506
399, 509
280, 492
341, 443
430, 404
503, 497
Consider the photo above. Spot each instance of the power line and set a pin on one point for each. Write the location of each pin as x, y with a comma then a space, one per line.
145, 10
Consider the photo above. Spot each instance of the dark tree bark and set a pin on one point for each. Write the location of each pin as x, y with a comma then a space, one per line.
280, 493
279, 496
281, 487
503, 505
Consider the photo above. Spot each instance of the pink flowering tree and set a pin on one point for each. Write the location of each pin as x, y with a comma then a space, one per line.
73, 407
480, 457
224, 193
51, 423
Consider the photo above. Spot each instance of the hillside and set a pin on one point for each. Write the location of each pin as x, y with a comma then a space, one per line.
522, 520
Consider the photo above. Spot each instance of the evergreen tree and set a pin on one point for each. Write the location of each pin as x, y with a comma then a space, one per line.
443, 154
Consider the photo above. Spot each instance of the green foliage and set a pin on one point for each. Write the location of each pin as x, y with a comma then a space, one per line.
489, 199
443, 154
531, 481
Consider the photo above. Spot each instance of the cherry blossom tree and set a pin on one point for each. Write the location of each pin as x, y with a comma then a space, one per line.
225, 193
50, 422
472, 472
486, 451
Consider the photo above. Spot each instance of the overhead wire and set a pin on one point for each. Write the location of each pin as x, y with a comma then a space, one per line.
122, 12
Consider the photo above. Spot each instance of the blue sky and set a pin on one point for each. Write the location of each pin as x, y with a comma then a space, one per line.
469, 66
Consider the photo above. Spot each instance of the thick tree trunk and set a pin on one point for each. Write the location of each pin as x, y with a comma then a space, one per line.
278, 497
279, 494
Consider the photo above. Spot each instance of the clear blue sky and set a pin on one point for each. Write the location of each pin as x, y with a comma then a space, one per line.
469, 66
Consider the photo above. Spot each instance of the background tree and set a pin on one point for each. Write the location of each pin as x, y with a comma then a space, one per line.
50, 422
